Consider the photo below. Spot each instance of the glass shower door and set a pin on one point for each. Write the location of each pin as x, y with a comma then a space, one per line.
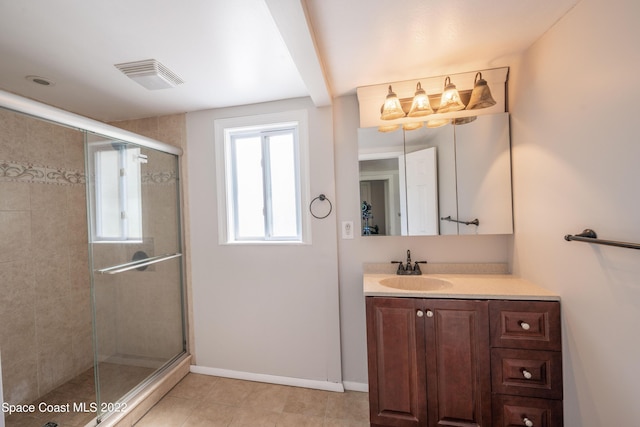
136, 261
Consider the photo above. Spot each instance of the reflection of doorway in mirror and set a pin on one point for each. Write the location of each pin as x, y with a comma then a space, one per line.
373, 192
379, 187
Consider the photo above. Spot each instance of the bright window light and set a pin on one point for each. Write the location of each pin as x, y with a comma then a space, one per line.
263, 184
118, 193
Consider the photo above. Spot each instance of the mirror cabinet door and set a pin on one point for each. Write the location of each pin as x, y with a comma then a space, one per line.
410, 181
483, 164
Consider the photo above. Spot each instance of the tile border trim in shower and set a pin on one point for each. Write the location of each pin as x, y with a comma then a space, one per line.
12, 171
32, 173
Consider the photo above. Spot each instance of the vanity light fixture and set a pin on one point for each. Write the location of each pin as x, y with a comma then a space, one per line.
420, 106
388, 128
463, 120
450, 100
481, 94
412, 125
391, 108
436, 123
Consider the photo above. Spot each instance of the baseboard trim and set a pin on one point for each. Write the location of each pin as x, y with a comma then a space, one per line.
264, 378
353, 386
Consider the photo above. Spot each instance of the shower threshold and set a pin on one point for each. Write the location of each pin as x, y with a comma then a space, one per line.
77, 396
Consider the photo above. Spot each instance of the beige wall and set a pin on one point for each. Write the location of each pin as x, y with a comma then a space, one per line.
45, 321
267, 310
576, 163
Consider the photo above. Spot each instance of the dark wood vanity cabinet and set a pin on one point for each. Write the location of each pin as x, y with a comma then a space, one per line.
526, 363
438, 362
428, 362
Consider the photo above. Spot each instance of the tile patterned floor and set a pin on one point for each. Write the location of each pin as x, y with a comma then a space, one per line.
116, 381
206, 401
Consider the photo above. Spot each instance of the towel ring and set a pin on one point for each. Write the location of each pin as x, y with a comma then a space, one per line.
322, 198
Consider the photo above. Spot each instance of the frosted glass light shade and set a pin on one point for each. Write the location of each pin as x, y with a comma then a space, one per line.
450, 100
420, 105
480, 95
463, 120
436, 123
389, 128
391, 108
412, 126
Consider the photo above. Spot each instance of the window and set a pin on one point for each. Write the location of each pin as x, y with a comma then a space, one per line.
263, 182
118, 207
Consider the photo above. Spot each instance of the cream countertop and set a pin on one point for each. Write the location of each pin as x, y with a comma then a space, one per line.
464, 286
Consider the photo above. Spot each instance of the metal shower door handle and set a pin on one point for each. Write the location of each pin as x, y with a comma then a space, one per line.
137, 264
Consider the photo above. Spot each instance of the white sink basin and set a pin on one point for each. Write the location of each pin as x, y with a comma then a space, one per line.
415, 283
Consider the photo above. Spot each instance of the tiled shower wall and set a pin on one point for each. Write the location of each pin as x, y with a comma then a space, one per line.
45, 312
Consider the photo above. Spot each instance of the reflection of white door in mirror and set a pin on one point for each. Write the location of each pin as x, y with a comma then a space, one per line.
418, 174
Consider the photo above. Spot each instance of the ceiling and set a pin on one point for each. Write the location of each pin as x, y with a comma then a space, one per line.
248, 51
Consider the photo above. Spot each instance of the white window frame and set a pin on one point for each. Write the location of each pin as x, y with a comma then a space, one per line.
128, 212
223, 129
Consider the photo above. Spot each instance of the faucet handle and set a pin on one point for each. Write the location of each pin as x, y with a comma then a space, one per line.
416, 268
400, 266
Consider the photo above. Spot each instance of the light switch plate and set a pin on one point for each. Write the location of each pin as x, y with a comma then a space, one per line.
347, 229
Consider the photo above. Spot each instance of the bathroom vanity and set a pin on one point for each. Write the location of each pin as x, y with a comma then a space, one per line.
462, 350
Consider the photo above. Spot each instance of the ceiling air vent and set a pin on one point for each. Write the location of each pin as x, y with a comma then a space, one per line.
150, 74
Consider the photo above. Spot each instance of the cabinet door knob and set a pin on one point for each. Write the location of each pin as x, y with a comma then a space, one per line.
527, 422
527, 375
429, 313
419, 313
525, 326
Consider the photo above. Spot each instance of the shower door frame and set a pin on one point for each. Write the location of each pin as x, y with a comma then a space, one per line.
61, 117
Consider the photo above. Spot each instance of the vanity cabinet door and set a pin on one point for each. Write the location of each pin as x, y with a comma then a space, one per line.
457, 362
429, 362
395, 344
531, 325
515, 411
526, 362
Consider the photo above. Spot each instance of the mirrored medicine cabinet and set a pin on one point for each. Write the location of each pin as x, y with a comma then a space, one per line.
450, 180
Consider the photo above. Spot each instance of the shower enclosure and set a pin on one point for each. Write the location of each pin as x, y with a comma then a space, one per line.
91, 268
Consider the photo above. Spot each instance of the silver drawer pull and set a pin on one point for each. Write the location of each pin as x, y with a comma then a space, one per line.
429, 313
419, 313
525, 326
527, 422
527, 375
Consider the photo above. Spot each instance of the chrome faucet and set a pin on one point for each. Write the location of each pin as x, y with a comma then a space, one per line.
409, 269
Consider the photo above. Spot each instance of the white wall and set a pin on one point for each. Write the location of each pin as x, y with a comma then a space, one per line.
269, 310
576, 164
353, 253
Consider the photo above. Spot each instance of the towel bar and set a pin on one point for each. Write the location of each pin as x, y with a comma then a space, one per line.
590, 236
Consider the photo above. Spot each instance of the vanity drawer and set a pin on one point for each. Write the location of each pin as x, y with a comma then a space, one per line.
525, 324
526, 373
512, 411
